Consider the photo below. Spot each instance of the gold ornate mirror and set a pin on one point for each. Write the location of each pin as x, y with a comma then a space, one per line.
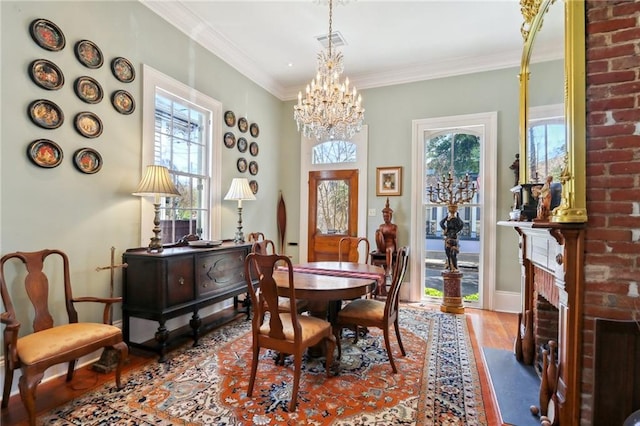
572, 205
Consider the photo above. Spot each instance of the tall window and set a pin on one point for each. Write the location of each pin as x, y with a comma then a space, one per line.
182, 139
182, 145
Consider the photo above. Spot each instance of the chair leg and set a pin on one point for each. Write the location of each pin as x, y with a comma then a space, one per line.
331, 346
389, 353
297, 361
337, 332
8, 381
71, 369
28, 386
397, 327
254, 369
123, 353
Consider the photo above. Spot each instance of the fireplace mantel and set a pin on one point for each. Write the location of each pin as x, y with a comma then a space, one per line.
557, 249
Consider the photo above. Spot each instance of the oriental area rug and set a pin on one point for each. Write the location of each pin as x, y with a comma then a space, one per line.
437, 383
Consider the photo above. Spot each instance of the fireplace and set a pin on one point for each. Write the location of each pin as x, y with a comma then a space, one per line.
552, 259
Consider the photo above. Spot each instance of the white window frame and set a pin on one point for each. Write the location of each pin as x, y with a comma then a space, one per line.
488, 177
154, 80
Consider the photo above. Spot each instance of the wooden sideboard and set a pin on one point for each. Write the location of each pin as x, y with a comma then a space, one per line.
179, 281
552, 264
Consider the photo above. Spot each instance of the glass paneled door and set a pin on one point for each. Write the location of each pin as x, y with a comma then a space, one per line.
333, 211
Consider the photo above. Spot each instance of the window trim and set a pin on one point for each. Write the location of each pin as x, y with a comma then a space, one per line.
152, 80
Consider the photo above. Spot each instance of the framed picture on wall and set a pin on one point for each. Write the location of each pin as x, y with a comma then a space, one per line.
388, 180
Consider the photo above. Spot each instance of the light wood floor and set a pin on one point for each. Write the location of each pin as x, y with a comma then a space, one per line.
487, 329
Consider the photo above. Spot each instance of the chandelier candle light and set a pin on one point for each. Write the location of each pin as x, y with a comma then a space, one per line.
156, 182
329, 109
452, 194
239, 190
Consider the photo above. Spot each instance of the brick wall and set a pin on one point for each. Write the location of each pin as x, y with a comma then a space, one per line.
612, 261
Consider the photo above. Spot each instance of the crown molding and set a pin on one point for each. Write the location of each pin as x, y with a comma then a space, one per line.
202, 33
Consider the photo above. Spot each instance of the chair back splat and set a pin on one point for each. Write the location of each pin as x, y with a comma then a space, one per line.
348, 249
377, 313
284, 332
35, 352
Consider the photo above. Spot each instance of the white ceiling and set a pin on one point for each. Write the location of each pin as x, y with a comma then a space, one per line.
274, 43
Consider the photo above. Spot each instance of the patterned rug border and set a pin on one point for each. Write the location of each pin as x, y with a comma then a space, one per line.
449, 387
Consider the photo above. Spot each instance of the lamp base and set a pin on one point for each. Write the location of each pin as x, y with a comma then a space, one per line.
239, 238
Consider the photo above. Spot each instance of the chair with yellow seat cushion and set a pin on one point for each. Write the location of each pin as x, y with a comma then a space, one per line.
283, 332
49, 344
377, 313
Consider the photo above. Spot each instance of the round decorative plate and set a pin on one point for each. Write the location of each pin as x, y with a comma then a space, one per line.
46, 114
123, 102
254, 130
242, 144
45, 153
89, 54
47, 35
253, 148
46, 74
242, 165
243, 125
253, 168
88, 124
88, 90
123, 70
230, 118
253, 184
87, 160
229, 140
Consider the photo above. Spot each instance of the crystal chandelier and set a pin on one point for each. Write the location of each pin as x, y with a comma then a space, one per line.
329, 109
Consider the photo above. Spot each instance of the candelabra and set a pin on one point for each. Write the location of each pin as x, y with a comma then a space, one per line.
450, 193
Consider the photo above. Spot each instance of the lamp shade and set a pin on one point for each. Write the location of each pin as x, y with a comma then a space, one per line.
240, 190
156, 181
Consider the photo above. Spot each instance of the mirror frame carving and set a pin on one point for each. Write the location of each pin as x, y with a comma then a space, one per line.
572, 208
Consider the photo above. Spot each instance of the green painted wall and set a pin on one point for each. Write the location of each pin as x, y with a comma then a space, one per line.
85, 215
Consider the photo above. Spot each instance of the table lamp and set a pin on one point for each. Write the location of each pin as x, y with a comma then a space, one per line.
156, 182
239, 190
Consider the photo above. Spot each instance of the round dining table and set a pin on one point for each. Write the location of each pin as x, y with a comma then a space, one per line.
346, 269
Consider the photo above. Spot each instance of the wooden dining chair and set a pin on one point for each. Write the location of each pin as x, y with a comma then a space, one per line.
284, 332
50, 344
264, 247
377, 313
348, 249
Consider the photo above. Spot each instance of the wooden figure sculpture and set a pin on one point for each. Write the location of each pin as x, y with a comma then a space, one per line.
386, 236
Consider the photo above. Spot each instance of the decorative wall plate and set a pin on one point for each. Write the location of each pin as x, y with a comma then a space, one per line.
89, 54
254, 186
46, 74
88, 124
229, 140
123, 102
253, 168
47, 35
254, 130
242, 144
45, 153
46, 114
123, 70
242, 165
229, 118
87, 160
243, 124
253, 148
88, 90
